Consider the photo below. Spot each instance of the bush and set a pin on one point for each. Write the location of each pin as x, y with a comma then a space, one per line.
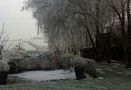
3, 78
28, 64
89, 65
4, 67
65, 60
14, 67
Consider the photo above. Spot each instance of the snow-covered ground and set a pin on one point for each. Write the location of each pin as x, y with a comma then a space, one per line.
33, 44
39, 41
27, 46
46, 75
111, 81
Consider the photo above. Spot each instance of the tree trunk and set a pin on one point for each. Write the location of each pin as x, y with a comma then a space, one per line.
128, 52
128, 38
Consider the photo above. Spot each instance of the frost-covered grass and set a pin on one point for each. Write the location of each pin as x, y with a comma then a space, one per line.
116, 78
93, 84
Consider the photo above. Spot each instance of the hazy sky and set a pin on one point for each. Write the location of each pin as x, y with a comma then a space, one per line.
18, 24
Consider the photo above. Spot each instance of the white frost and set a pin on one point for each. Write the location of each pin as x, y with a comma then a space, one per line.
46, 75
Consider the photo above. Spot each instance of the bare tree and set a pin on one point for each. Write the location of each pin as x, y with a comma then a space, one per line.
3, 39
122, 10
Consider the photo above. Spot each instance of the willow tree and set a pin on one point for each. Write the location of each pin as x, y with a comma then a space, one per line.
55, 18
70, 24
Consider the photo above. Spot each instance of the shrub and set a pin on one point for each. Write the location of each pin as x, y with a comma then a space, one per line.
14, 66
65, 60
27, 64
4, 67
89, 65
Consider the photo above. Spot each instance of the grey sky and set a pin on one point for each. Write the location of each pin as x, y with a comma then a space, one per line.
18, 24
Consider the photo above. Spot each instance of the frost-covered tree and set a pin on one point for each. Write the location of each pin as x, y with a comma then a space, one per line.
70, 24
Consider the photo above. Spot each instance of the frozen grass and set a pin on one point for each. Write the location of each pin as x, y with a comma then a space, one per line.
115, 79
93, 84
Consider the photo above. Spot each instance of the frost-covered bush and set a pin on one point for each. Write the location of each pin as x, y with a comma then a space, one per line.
45, 63
89, 65
65, 60
38, 64
70, 60
4, 67
35, 64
